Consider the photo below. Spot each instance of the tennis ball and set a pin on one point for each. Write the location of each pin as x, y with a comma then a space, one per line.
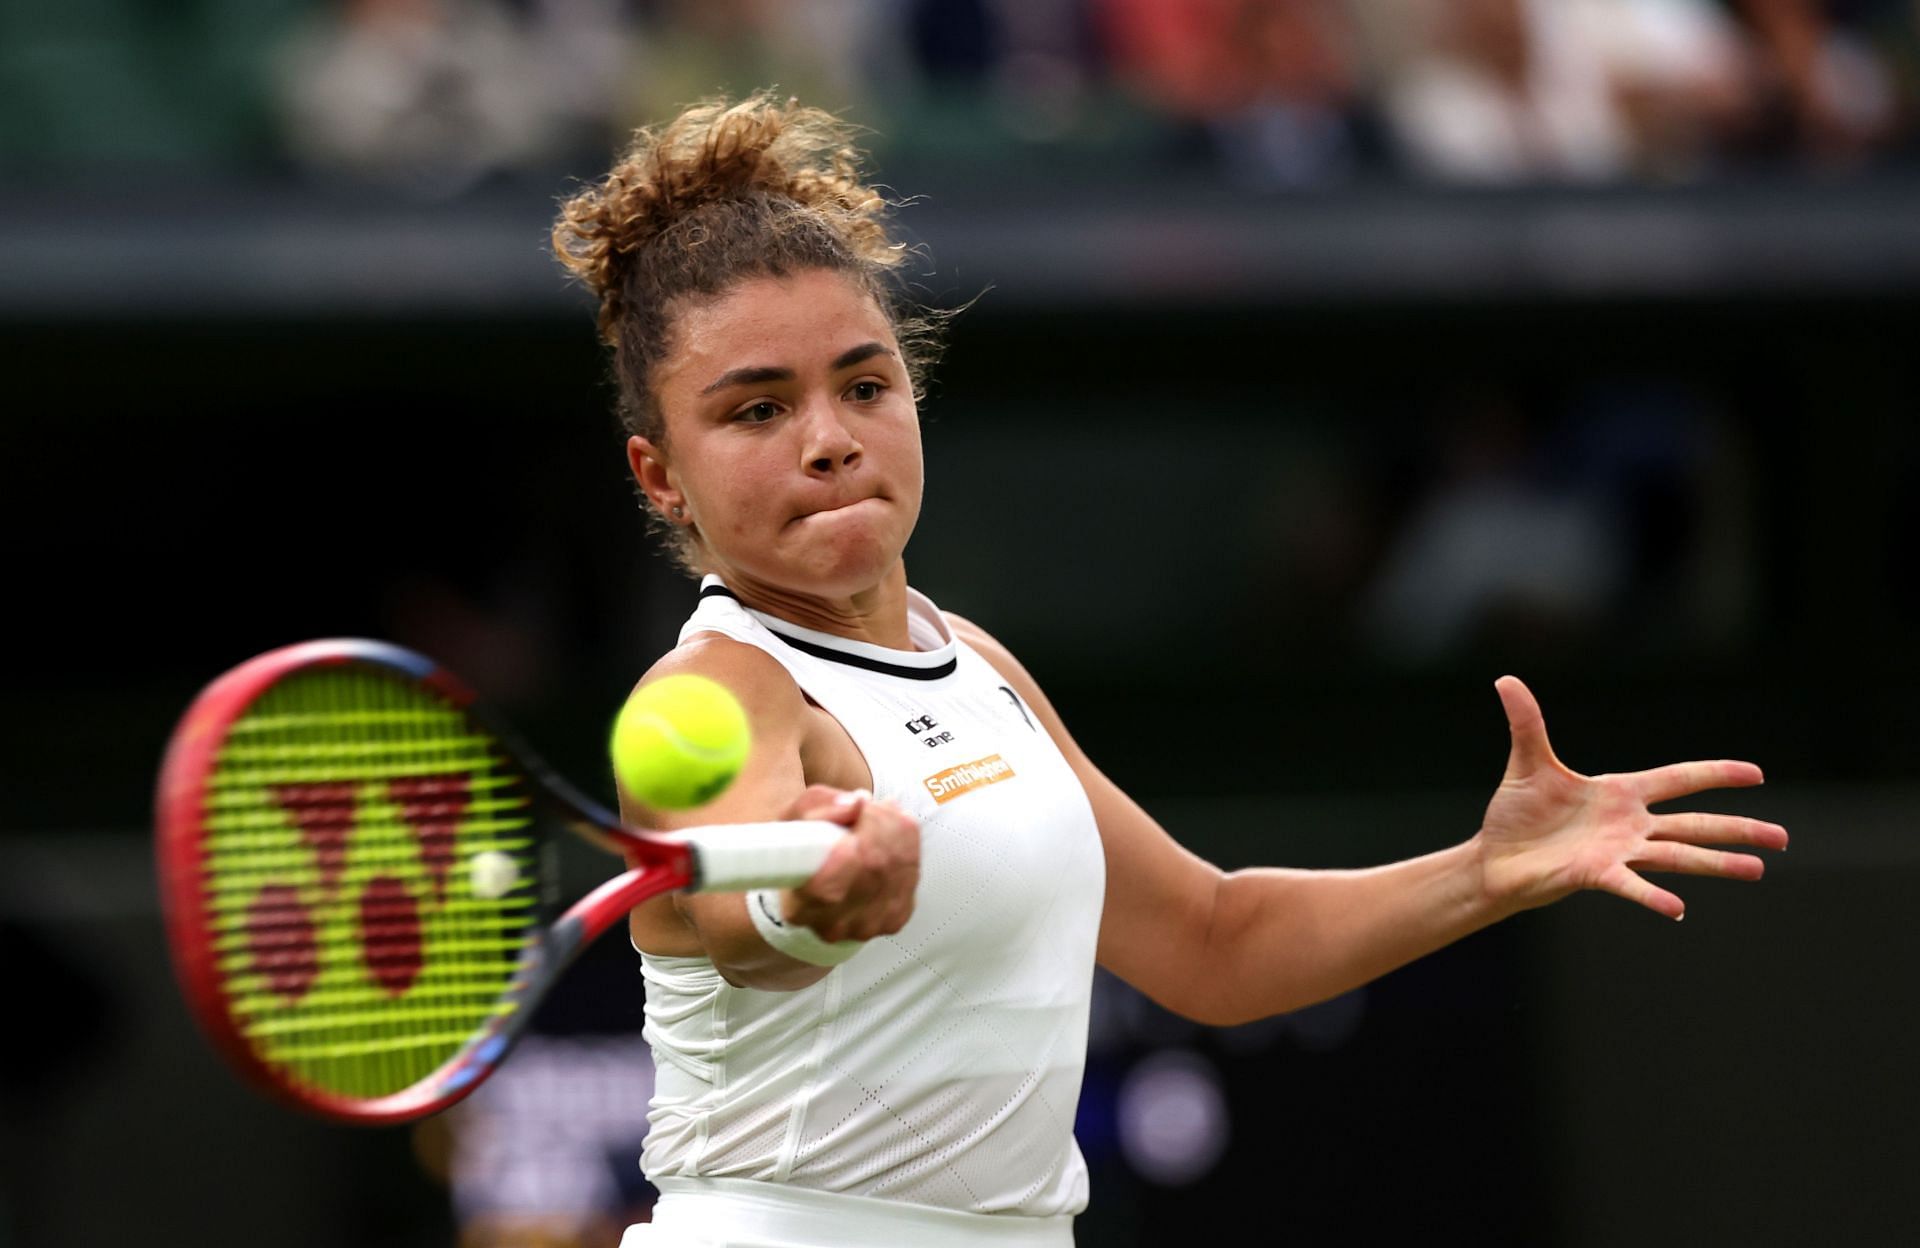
494, 874
679, 742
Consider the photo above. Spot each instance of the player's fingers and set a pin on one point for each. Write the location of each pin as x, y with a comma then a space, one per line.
879, 814
888, 917
1703, 829
1622, 881
1693, 860
888, 843
863, 916
888, 840
1526, 725
851, 927
896, 831
847, 883
853, 892
1660, 784
822, 801
861, 922
837, 876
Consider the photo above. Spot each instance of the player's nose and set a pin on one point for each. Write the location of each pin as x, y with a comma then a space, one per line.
828, 444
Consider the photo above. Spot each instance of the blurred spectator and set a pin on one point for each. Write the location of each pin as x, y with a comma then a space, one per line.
1274, 83
1498, 548
432, 96
426, 95
1042, 86
584, 52
954, 41
1836, 95
987, 77
1606, 515
1507, 91
437, 95
821, 51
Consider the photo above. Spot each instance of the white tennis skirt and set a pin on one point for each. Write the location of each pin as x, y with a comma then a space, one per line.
746, 1213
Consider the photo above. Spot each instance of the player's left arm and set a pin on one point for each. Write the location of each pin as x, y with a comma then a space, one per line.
1228, 947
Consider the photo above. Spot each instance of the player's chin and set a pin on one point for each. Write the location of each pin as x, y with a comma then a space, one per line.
850, 561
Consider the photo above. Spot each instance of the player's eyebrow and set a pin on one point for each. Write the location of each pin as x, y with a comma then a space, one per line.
854, 355
752, 375
759, 374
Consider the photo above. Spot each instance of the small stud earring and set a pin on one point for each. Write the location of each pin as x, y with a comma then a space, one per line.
678, 512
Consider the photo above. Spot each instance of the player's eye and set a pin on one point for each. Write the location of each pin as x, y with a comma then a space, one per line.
758, 413
865, 391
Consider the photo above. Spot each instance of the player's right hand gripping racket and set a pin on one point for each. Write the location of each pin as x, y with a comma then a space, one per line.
351, 866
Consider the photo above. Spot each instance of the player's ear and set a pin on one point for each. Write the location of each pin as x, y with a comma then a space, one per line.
656, 478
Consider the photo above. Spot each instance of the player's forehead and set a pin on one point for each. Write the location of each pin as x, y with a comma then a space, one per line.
800, 322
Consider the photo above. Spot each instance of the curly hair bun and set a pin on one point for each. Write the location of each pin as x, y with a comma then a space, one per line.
758, 185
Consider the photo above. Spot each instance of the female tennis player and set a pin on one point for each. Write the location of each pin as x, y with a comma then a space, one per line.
892, 1054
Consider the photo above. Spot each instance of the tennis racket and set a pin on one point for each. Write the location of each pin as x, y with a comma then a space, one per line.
356, 870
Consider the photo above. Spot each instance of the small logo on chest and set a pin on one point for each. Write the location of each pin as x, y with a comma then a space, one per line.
924, 727
946, 785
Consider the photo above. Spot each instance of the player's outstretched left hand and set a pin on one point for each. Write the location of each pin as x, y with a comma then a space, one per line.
1550, 831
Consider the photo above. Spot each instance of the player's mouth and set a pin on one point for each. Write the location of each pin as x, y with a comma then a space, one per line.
849, 505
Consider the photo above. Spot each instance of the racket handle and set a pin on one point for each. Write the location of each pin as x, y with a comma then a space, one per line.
737, 857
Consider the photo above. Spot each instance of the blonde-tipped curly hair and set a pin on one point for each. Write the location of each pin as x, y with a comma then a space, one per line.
723, 193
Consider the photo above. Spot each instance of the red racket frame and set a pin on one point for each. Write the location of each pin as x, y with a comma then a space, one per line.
180, 851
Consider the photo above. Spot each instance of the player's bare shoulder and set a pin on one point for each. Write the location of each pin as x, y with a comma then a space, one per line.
1016, 675
966, 630
784, 719
989, 648
766, 690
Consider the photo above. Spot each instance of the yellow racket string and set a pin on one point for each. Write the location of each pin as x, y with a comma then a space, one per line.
347, 820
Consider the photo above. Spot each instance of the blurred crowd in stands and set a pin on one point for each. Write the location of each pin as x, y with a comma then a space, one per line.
436, 96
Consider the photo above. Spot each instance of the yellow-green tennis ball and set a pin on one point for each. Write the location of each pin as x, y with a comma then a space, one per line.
679, 742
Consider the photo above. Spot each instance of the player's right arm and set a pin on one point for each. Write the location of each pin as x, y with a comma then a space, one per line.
802, 766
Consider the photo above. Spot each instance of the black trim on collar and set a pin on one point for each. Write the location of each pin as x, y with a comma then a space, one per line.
885, 668
861, 661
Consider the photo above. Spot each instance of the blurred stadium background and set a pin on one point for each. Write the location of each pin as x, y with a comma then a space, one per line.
1335, 356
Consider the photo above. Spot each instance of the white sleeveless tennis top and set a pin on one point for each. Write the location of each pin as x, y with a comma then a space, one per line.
940, 1066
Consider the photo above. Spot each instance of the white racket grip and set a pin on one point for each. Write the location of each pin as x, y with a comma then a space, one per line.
740, 857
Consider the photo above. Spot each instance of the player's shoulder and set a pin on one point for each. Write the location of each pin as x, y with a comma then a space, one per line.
753, 676
988, 647
971, 633
1011, 670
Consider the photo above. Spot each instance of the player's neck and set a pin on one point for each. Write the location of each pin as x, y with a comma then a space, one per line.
877, 615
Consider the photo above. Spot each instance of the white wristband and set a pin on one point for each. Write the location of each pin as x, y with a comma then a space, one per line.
767, 910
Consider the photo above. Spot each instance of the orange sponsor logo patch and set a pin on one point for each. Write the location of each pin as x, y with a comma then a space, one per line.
978, 774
